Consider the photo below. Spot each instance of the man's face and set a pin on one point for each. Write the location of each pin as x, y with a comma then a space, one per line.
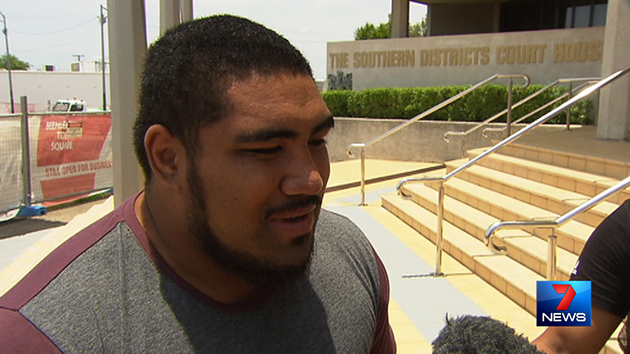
257, 184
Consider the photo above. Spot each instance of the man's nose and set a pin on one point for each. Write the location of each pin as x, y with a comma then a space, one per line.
302, 177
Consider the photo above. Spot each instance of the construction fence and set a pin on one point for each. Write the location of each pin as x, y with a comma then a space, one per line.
50, 156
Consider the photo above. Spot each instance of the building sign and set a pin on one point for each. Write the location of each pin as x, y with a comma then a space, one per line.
545, 55
503, 55
73, 155
69, 155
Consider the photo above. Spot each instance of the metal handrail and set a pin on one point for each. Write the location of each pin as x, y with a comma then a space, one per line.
84, 113
552, 224
10, 115
511, 107
417, 118
546, 105
443, 179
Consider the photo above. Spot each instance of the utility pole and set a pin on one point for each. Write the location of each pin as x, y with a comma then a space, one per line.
6, 40
103, 20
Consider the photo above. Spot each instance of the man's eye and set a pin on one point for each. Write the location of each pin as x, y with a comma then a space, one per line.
318, 142
266, 151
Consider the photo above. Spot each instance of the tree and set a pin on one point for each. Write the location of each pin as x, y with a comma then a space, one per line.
369, 31
16, 64
419, 29
384, 30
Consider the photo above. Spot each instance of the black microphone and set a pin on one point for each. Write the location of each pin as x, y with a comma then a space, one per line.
480, 335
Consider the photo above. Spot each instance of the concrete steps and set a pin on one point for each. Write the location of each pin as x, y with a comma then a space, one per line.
517, 183
529, 250
571, 236
565, 177
497, 270
544, 196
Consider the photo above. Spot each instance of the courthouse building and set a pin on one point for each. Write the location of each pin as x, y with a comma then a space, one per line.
471, 40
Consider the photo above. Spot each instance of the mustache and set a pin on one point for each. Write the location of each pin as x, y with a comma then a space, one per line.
298, 202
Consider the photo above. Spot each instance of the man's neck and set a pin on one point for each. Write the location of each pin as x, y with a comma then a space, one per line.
168, 234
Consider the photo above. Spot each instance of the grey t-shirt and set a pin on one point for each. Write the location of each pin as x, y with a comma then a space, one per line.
107, 290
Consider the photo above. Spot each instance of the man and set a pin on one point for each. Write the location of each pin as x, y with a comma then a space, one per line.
605, 261
220, 253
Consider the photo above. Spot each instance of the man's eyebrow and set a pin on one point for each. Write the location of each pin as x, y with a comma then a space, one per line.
270, 134
328, 123
266, 135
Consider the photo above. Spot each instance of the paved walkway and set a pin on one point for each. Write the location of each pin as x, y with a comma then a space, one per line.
12, 248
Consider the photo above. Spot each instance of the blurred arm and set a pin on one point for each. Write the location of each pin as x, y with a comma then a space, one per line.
583, 340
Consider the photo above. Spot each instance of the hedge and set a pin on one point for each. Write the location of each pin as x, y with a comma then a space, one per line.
477, 106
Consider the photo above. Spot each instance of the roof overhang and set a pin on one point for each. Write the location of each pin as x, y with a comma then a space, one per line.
429, 2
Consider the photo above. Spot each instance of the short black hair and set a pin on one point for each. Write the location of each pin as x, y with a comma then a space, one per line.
188, 71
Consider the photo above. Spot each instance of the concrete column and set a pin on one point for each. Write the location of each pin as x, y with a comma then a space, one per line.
127, 46
429, 22
614, 107
496, 22
169, 15
186, 10
400, 18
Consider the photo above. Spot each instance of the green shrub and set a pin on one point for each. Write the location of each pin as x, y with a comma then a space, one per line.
337, 102
477, 106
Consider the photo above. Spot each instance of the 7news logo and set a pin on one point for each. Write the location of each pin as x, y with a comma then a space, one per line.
563, 303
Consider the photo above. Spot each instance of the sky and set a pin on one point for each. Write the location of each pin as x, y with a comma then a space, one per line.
56, 32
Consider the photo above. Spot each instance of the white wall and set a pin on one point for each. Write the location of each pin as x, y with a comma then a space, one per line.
41, 87
421, 141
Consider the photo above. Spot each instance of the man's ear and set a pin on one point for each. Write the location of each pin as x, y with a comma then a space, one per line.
166, 156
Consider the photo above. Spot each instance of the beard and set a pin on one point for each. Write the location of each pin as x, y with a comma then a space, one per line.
260, 272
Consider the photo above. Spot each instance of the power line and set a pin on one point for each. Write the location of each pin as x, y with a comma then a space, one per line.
58, 31
56, 45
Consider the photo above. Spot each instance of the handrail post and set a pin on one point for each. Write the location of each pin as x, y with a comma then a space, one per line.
569, 108
509, 108
26, 159
440, 230
596, 108
551, 255
363, 176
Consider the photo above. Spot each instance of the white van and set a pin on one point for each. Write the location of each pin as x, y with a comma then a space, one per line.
69, 106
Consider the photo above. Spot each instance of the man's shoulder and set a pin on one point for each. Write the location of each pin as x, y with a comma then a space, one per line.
58, 261
83, 271
18, 335
621, 216
340, 229
331, 219
338, 232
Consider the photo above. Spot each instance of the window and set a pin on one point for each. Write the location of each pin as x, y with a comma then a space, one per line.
585, 13
76, 107
531, 15
60, 107
599, 14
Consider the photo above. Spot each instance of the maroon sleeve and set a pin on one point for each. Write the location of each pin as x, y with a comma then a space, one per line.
18, 335
384, 341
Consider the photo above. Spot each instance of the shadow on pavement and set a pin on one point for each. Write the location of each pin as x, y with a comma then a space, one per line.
23, 226
55, 216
